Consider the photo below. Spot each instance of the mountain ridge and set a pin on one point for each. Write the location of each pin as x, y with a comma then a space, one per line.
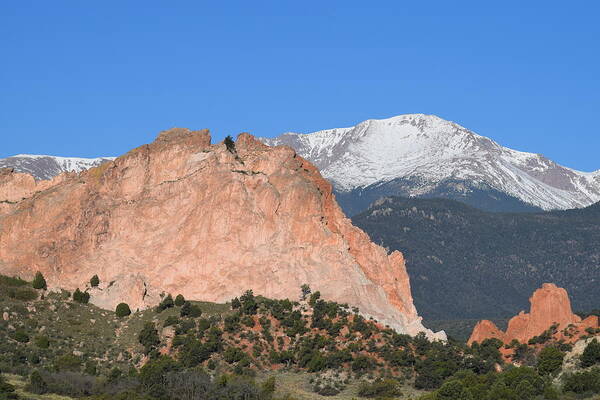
466, 263
428, 150
45, 167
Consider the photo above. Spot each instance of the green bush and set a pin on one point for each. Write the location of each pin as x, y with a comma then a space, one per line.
42, 342
229, 144
179, 300
235, 303
67, 362
316, 363
122, 310
167, 302
232, 323
195, 352
21, 336
90, 368
81, 297
583, 382
148, 337
400, 358
381, 389
39, 282
362, 364
94, 281
326, 390
171, 321
233, 355
37, 384
190, 310
153, 376
591, 354
550, 360
514, 377
248, 302
248, 321
184, 326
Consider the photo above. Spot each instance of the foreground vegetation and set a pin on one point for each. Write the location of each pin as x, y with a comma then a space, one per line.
56, 344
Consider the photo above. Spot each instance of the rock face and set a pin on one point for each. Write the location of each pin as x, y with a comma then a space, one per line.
183, 216
486, 329
550, 306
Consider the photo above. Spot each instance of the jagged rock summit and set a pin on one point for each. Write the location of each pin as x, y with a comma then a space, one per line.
181, 215
550, 306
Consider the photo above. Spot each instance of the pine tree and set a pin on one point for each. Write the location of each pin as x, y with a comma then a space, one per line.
148, 337
230, 144
249, 305
122, 310
591, 354
95, 281
166, 303
39, 282
305, 291
37, 384
179, 300
81, 297
190, 310
235, 304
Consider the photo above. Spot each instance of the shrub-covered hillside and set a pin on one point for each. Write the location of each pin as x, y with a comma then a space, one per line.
250, 348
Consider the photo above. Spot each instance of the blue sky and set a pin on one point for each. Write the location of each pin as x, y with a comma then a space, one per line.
80, 78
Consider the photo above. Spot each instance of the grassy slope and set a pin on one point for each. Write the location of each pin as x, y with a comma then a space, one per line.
19, 383
299, 387
98, 334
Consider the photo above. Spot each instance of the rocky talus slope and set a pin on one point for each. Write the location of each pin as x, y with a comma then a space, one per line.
550, 307
181, 215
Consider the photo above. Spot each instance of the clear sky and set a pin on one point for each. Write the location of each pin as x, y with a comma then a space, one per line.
94, 78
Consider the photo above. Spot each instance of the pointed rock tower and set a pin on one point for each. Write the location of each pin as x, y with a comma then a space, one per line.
550, 305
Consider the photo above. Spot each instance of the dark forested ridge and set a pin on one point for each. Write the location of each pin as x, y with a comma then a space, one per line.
470, 264
480, 196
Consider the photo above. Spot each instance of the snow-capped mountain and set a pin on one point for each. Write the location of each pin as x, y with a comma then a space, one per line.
425, 156
46, 167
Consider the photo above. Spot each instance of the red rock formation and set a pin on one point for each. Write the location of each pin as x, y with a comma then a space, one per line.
15, 187
486, 329
183, 216
550, 306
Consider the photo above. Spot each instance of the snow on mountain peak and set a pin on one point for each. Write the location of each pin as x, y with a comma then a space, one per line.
431, 149
46, 167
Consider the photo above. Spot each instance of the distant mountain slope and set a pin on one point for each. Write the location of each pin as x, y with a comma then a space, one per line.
418, 155
46, 167
466, 263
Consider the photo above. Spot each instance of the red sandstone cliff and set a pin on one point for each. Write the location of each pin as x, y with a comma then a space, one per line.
183, 216
550, 305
